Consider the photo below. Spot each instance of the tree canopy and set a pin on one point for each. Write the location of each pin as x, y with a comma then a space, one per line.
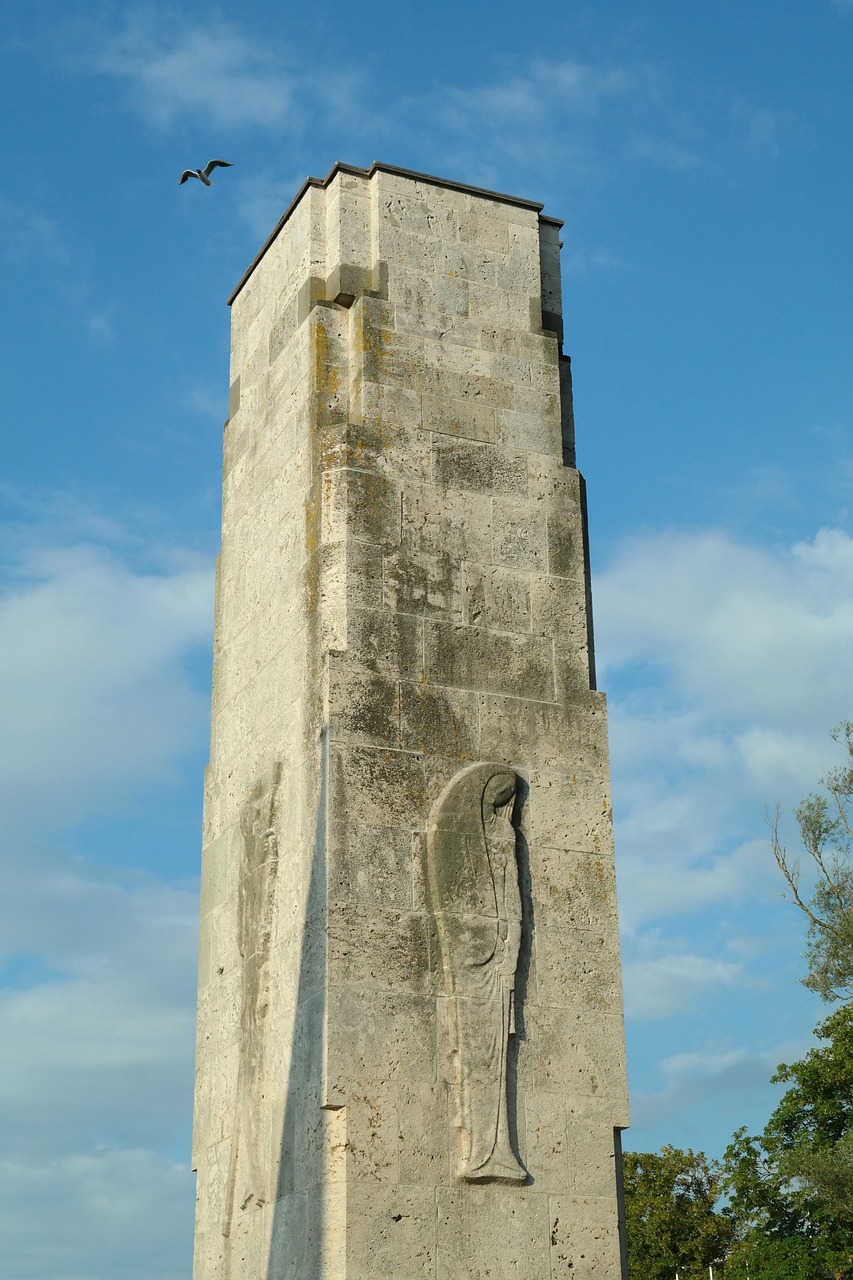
825, 820
671, 1216
780, 1206
791, 1190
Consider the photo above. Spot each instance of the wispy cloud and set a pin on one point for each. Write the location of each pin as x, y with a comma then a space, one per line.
97, 991
28, 233
93, 683
125, 1212
173, 68
726, 663
721, 1080
674, 982
741, 630
593, 116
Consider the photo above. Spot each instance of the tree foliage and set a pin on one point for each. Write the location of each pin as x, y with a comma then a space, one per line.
791, 1190
787, 1195
826, 830
672, 1222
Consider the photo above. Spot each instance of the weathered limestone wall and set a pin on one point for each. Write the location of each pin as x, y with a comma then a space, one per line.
403, 594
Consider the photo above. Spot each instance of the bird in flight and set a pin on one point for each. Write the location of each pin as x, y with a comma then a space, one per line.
204, 174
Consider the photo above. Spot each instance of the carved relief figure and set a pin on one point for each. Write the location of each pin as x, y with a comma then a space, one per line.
476, 901
255, 907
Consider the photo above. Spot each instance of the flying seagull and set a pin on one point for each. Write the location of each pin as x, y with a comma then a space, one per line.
204, 174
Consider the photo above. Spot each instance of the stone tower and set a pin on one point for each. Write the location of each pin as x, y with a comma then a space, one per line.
410, 1035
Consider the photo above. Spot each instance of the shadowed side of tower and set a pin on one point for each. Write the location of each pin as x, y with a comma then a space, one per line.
410, 1045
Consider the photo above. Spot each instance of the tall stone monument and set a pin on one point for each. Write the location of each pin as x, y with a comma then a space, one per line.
410, 1036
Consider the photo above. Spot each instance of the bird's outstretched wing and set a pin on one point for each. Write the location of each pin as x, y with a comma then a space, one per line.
217, 164
187, 173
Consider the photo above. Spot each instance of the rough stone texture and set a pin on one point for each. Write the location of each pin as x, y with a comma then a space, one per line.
402, 593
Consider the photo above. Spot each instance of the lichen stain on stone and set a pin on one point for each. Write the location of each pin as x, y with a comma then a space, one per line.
372, 345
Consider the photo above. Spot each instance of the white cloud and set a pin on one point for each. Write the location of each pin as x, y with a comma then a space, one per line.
263, 199
739, 630
726, 665
97, 966
590, 116
174, 68
28, 234
674, 982
579, 261
665, 153
707, 1093
102, 330
99, 1040
96, 1216
760, 126
93, 682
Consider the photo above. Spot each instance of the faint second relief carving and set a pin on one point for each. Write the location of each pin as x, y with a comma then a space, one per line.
256, 895
473, 874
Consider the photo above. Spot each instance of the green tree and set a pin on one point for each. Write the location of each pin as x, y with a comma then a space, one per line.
826, 830
672, 1222
791, 1190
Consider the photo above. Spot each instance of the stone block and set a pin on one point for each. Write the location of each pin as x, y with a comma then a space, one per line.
594, 1167
496, 598
584, 1239
363, 570
487, 232
473, 658
377, 787
364, 706
381, 641
529, 432
377, 1037
391, 1233
572, 676
397, 409
490, 1231
217, 873
481, 467
376, 444
442, 524
446, 295
572, 891
370, 865
424, 1126
326, 1243
288, 1259
571, 809
418, 582
577, 1055
360, 505
546, 1147
558, 608
371, 949
543, 734
518, 534
578, 968
471, 263
372, 1136
565, 545
465, 418
439, 721
471, 387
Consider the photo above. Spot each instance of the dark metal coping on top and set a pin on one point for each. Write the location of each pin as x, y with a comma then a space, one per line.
378, 166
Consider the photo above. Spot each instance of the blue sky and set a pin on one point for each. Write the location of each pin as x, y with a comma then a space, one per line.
700, 156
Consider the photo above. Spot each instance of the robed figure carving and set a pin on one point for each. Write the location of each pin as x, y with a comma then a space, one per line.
476, 901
